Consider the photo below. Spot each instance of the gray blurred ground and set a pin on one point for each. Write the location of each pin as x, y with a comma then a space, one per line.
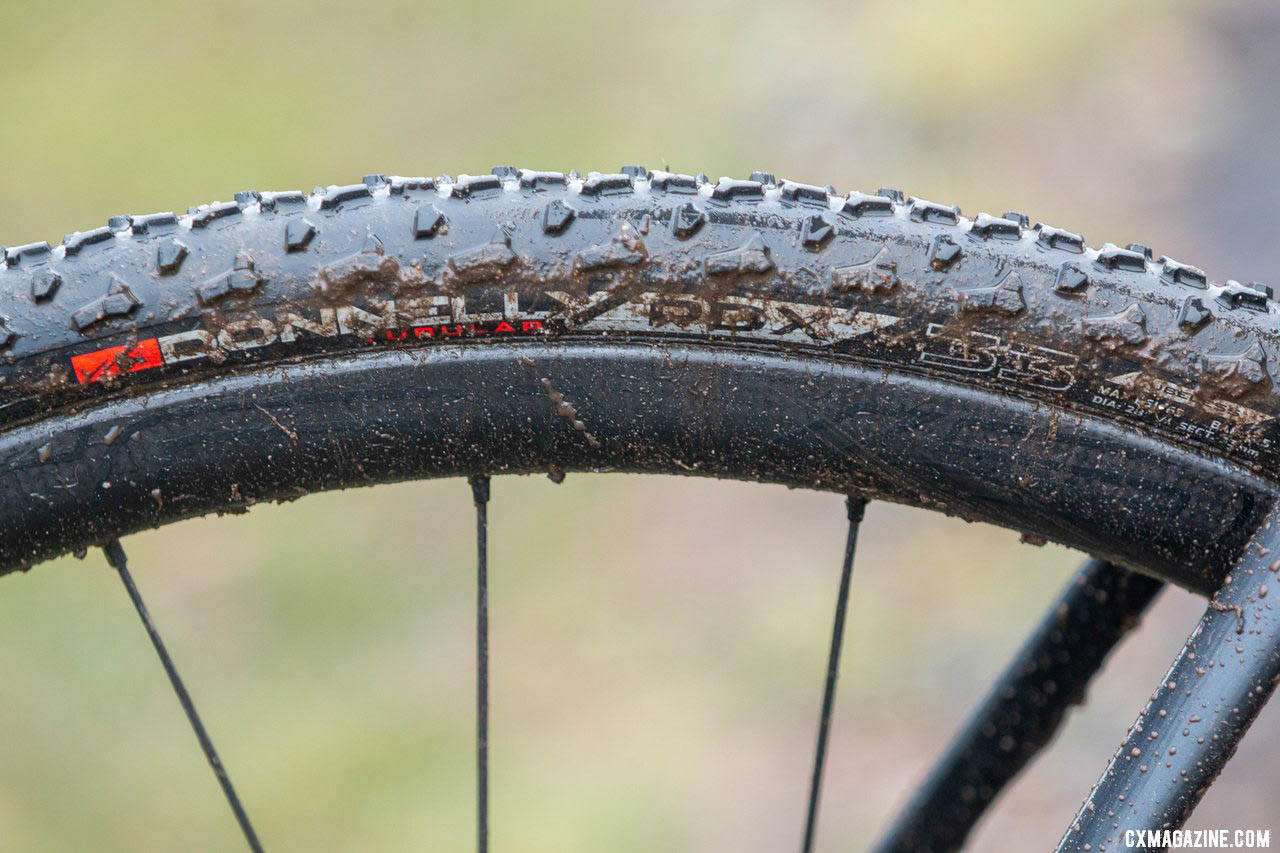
655, 686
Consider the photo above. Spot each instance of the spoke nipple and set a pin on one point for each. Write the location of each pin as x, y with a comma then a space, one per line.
856, 506
479, 487
115, 554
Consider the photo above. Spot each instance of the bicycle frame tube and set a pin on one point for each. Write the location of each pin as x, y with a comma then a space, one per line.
1196, 717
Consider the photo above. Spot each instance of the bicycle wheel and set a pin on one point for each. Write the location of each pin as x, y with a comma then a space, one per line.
881, 346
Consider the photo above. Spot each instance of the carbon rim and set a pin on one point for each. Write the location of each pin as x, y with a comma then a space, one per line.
504, 408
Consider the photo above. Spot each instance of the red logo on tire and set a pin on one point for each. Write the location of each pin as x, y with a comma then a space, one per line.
105, 363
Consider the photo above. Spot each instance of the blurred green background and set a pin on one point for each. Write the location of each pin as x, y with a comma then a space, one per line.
653, 688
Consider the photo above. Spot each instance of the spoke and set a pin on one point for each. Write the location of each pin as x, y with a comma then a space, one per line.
856, 507
480, 493
1197, 715
1024, 708
116, 557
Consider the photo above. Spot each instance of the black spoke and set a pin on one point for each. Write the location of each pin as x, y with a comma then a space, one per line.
856, 507
1024, 708
480, 492
116, 557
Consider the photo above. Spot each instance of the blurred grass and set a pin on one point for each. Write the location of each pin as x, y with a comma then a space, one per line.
138, 106
641, 674
658, 643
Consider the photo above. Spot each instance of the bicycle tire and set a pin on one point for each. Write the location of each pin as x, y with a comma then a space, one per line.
168, 366
758, 269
